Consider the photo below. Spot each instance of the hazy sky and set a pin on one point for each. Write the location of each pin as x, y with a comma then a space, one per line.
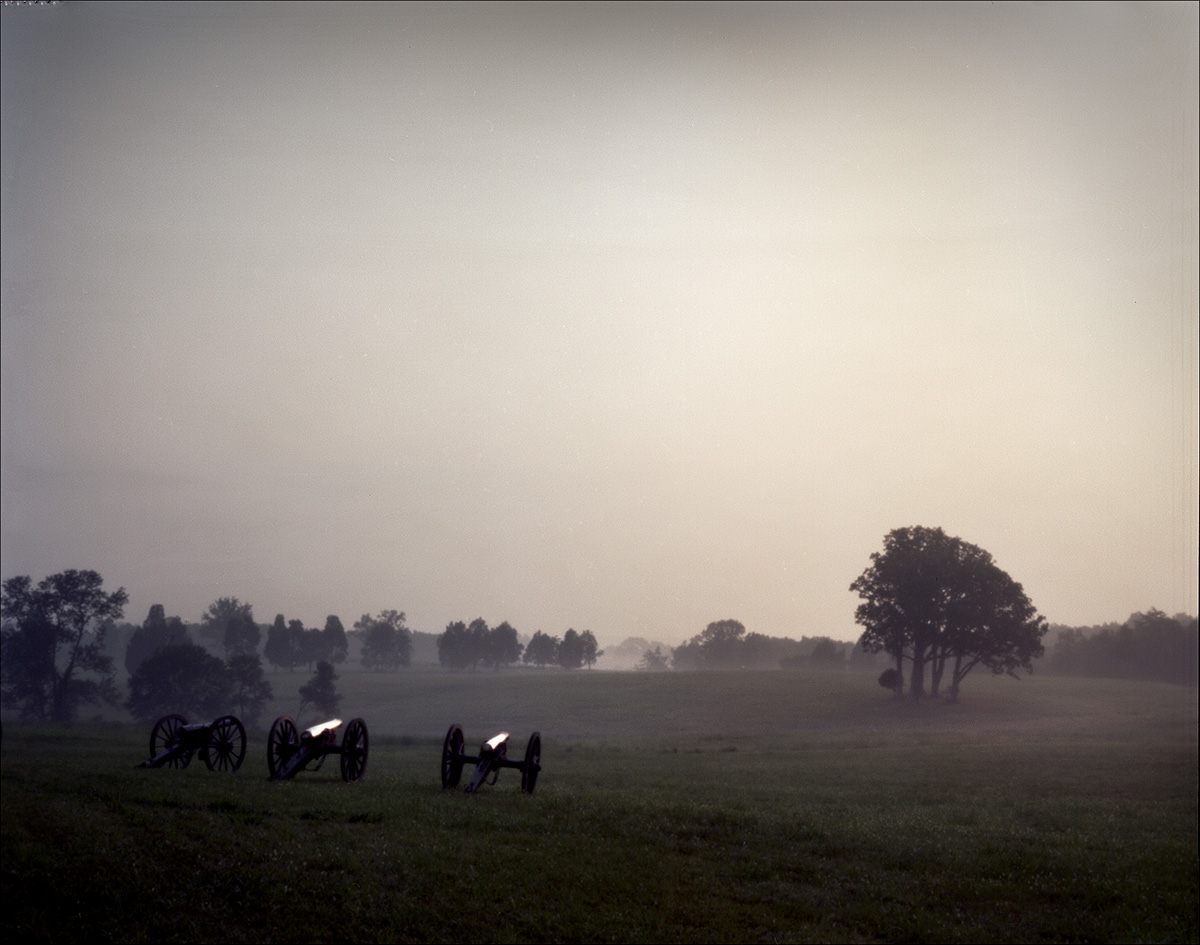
616, 317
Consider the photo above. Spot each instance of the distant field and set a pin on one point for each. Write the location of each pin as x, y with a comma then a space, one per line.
677, 807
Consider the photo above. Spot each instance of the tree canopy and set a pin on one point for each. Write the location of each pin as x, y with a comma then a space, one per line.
462, 646
157, 630
1148, 645
53, 643
386, 641
942, 603
231, 623
249, 689
542, 649
336, 645
182, 678
321, 692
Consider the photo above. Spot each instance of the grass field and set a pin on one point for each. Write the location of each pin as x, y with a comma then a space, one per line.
675, 807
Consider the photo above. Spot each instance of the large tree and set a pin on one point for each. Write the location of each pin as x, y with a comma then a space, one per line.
53, 643
184, 679
941, 603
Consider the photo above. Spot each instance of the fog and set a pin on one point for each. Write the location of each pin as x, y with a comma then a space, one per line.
616, 317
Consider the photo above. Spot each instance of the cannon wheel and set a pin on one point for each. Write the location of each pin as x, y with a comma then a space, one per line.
452, 750
163, 735
226, 745
284, 736
354, 750
533, 762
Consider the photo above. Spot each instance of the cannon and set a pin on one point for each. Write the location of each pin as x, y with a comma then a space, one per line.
492, 757
221, 743
290, 751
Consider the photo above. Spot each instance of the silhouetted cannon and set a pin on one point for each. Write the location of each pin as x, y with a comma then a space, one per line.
290, 751
221, 743
493, 755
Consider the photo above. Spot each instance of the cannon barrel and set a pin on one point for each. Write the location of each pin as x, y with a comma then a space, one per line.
290, 751
492, 757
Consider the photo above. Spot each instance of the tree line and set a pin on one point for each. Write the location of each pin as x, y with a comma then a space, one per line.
1147, 646
725, 644
934, 604
465, 646
54, 638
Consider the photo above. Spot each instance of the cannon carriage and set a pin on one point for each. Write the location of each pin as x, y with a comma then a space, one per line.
492, 758
290, 751
221, 743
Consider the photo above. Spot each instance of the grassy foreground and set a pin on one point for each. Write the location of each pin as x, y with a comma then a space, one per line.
675, 807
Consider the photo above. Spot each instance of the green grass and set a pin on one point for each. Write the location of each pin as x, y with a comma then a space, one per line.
677, 807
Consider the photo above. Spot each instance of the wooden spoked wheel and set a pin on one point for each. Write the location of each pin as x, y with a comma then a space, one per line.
452, 752
226, 746
533, 763
281, 743
164, 735
354, 750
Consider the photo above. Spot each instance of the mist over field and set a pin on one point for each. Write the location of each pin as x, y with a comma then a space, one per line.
670, 807
621, 318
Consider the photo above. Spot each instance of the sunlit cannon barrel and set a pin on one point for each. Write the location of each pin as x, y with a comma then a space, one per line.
492, 757
290, 751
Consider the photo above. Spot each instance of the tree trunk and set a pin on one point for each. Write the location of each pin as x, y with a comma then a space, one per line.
916, 688
956, 678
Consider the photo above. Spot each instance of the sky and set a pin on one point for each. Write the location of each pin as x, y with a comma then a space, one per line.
620, 317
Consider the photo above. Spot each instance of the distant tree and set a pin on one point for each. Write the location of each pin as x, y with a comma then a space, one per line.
862, 660
759, 651
321, 692
941, 603
184, 679
242, 636
570, 651
466, 646
52, 641
655, 661
280, 648
386, 641
231, 623
157, 630
312, 646
827, 654
454, 646
337, 646
591, 650
250, 691
1148, 645
720, 646
542, 650
502, 646
477, 641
